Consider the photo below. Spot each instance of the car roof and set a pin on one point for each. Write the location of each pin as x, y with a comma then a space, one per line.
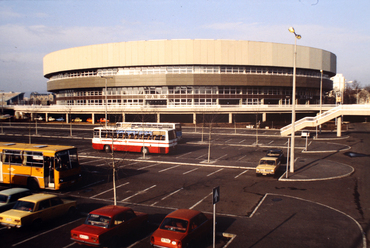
269, 158
37, 197
184, 214
110, 210
275, 150
13, 191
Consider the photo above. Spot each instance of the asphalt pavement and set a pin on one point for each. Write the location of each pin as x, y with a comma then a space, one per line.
280, 220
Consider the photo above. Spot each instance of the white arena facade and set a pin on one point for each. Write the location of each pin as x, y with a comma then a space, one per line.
183, 80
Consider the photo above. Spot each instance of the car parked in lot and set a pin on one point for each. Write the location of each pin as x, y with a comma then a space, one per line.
305, 133
9, 197
39, 118
102, 120
34, 209
51, 118
89, 120
77, 119
104, 225
268, 166
182, 228
60, 119
277, 153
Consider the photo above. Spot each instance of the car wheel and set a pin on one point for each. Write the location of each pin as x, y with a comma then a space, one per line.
107, 148
72, 212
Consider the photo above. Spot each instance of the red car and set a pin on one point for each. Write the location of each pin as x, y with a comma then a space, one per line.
182, 228
102, 120
104, 225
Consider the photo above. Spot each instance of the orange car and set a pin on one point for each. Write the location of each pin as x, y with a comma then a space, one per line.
106, 225
181, 228
102, 120
89, 120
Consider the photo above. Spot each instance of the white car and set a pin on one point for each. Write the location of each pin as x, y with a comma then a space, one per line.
51, 118
39, 118
305, 134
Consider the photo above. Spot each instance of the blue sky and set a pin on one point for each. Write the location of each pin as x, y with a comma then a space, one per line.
31, 29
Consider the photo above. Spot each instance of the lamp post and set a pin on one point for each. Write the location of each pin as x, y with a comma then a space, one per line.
106, 101
297, 36
2, 102
321, 71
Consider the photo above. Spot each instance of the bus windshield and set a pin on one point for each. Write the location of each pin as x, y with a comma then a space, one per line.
66, 160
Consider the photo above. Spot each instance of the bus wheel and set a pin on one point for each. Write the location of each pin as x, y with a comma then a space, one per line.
145, 150
32, 184
107, 148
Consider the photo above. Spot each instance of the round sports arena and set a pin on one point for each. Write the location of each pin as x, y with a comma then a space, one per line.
181, 80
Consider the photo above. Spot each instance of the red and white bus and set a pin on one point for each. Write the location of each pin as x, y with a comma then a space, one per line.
146, 140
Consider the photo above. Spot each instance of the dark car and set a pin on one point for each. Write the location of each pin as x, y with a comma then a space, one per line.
9, 197
104, 225
182, 228
276, 153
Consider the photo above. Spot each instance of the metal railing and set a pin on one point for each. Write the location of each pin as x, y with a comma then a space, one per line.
355, 109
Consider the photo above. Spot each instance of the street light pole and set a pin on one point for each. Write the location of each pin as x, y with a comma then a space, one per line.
297, 36
321, 71
2, 108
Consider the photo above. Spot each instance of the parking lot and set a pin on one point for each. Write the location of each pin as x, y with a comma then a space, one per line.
255, 211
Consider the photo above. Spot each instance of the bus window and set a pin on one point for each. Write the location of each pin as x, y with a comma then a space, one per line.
35, 159
73, 158
13, 157
62, 161
96, 134
171, 135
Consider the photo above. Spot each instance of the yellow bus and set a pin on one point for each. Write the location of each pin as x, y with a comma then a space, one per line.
39, 166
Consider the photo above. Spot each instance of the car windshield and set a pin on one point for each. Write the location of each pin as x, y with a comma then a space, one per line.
269, 162
174, 224
98, 220
24, 206
3, 198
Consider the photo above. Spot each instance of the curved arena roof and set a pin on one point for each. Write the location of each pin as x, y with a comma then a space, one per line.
187, 52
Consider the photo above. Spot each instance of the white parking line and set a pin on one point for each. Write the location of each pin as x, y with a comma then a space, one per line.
132, 163
201, 156
196, 204
241, 141
138, 193
241, 158
142, 168
221, 157
171, 194
183, 155
46, 232
214, 172
69, 245
272, 141
169, 168
167, 196
227, 141
241, 174
93, 161
190, 171
109, 190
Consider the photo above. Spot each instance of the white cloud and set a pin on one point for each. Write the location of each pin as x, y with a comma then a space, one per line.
7, 13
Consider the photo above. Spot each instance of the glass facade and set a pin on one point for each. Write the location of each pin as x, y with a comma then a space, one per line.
184, 95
